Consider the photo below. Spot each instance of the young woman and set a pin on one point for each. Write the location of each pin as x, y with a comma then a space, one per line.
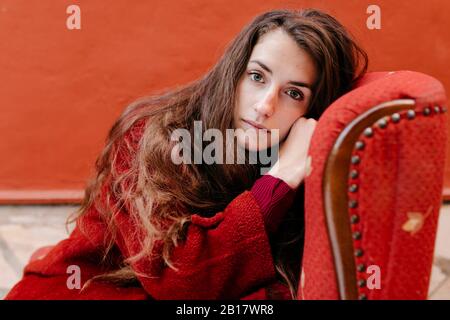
152, 227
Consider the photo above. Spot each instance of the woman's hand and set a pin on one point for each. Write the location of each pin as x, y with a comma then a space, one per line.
291, 164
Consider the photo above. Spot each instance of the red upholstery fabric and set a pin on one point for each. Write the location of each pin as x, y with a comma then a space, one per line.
395, 183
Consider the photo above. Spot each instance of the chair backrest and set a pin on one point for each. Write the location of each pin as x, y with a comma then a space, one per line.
374, 193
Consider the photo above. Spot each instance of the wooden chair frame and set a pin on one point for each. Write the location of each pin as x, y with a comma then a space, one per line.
335, 193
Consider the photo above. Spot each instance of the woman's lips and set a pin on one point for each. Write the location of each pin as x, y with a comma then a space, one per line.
255, 125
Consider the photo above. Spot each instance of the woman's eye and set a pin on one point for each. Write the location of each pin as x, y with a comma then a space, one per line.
256, 77
294, 94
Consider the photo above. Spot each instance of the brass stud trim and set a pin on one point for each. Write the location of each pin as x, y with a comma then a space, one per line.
368, 132
353, 188
359, 145
359, 253
362, 297
361, 283
426, 111
382, 123
411, 114
356, 235
354, 219
353, 204
354, 174
355, 159
395, 117
361, 267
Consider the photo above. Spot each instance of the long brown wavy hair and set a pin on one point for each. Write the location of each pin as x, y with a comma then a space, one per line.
151, 179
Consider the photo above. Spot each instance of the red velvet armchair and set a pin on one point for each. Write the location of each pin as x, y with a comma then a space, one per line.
374, 191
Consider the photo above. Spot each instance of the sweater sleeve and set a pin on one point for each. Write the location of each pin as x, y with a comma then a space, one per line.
225, 256
274, 198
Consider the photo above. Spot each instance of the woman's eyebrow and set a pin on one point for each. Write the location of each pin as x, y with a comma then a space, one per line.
295, 83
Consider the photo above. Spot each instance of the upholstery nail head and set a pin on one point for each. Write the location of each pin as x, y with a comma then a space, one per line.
352, 204
411, 114
368, 132
354, 174
359, 145
395, 117
355, 159
356, 235
382, 123
359, 253
354, 218
361, 283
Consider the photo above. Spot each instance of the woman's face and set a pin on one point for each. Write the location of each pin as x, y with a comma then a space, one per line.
273, 92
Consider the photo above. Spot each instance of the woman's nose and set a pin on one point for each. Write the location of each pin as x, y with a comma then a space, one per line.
267, 105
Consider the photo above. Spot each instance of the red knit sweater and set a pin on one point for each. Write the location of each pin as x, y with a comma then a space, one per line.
227, 256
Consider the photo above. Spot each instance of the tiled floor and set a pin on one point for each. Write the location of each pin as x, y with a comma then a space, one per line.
23, 229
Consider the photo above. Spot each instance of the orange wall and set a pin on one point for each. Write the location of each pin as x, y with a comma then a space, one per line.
61, 90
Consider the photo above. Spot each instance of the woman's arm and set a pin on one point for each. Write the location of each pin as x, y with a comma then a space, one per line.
223, 257
274, 197
226, 256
